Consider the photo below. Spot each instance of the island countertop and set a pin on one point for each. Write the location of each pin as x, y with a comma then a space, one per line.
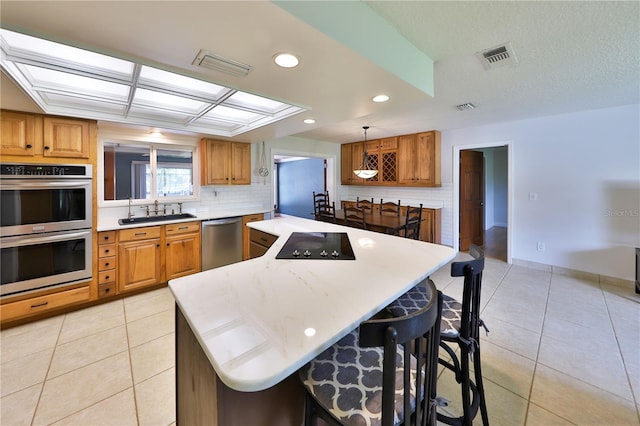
260, 320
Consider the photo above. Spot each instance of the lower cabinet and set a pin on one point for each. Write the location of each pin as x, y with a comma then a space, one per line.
42, 304
148, 256
260, 242
182, 250
246, 233
138, 258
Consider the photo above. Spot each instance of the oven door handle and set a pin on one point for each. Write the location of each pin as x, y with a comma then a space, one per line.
37, 185
22, 241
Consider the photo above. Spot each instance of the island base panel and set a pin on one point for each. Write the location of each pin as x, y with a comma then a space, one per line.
202, 398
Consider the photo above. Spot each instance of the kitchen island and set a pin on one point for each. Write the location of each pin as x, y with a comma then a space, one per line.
243, 330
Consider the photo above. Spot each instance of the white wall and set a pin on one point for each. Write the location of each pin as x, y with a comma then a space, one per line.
585, 169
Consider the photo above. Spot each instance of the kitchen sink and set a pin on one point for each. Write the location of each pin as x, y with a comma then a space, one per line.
146, 219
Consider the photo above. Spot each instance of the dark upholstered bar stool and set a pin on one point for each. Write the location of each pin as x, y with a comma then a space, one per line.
382, 374
460, 326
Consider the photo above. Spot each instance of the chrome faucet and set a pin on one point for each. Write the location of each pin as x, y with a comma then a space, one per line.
130, 215
155, 207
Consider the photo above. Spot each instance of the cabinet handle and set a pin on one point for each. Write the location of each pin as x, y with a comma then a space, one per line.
107, 290
182, 228
106, 264
39, 304
263, 239
29, 146
106, 238
46, 148
107, 277
157, 245
168, 244
140, 234
107, 251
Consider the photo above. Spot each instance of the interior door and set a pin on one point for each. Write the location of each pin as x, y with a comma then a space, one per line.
471, 199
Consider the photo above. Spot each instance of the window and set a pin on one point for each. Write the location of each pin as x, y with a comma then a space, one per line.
134, 170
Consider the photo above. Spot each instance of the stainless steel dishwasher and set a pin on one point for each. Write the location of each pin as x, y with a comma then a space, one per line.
221, 242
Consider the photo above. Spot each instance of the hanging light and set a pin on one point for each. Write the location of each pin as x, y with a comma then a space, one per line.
365, 172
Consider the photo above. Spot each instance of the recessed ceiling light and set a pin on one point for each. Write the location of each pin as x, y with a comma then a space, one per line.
309, 121
286, 60
380, 98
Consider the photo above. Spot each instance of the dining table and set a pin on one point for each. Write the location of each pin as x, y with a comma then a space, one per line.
387, 224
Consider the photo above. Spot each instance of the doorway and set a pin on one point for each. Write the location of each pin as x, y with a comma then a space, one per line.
482, 198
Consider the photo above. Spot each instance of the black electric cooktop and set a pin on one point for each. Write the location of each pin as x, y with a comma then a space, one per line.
317, 245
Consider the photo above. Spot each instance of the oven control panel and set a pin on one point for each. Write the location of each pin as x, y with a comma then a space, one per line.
37, 170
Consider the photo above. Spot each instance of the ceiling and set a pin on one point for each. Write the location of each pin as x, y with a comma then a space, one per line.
571, 56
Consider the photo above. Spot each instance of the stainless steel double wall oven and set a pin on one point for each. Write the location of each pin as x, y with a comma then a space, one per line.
45, 226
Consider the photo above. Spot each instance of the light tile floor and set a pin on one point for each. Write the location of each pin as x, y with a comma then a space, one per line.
561, 351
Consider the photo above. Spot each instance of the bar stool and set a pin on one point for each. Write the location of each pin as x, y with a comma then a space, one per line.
384, 373
460, 326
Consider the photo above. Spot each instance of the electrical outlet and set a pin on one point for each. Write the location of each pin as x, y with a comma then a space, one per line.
541, 246
533, 196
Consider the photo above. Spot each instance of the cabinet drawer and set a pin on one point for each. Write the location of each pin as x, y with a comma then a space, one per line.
106, 237
106, 276
106, 250
253, 217
106, 289
134, 234
44, 303
107, 263
182, 228
262, 238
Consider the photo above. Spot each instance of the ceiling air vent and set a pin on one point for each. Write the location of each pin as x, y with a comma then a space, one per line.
498, 56
215, 62
465, 106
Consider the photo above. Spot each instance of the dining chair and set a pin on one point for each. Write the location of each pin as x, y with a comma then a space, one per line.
355, 217
320, 202
364, 204
389, 208
328, 213
384, 373
412, 223
460, 327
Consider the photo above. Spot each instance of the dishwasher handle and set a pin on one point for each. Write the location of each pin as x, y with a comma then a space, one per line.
218, 222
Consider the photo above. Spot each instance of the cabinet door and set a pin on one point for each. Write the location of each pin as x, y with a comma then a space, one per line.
406, 171
240, 163
139, 264
427, 159
357, 152
216, 166
182, 254
65, 137
346, 166
246, 232
21, 134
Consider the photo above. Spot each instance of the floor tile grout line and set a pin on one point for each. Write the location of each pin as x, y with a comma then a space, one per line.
535, 365
135, 397
46, 374
635, 401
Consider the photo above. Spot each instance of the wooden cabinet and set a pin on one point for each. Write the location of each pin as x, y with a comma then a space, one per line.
42, 304
182, 250
152, 255
408, 160
21, 134
260, 242
352, 155
107, 266
34, 135
139, 262
246, 233
225, 163
419, 159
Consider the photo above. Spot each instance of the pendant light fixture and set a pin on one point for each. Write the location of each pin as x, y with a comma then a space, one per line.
365, 172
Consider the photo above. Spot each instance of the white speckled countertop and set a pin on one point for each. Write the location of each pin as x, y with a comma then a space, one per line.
260, 320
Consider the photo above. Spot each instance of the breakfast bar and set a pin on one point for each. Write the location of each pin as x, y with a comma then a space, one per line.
243, 330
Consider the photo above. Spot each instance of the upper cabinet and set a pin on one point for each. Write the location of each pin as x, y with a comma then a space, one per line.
419, 159
408, 160
38, 136
225, 163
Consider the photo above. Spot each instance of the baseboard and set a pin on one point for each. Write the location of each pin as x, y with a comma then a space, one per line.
601, 279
